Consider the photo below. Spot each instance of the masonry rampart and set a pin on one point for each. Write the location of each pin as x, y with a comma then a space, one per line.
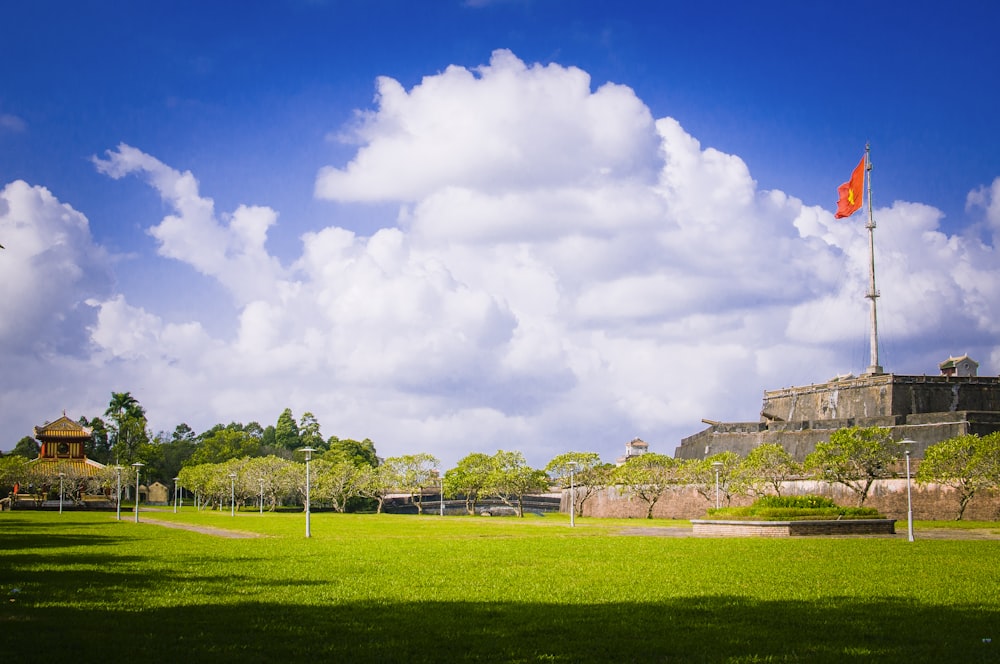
931, 501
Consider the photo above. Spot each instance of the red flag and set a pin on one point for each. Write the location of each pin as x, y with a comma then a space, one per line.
851, 192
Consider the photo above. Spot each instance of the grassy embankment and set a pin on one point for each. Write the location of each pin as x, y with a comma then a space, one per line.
84, 587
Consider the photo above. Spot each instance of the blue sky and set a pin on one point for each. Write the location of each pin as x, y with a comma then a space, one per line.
539, 325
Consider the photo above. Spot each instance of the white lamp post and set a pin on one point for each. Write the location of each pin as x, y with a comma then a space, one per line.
572, 494
262, 496
718, 466
308, 452
232, 494
907, 443
118, 491
441, 505
176, 479
138, 469
61, 476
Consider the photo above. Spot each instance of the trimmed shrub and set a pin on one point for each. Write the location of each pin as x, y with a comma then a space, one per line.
790, 508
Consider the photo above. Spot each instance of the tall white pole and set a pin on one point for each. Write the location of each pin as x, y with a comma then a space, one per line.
118, 491
441, 511
262, 496
875, 368
572, 497
308, 452
176, 479
232, 494
61, 476
138, 468
907, 444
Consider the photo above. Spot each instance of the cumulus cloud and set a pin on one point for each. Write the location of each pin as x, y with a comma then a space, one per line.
231, 249
49, 266
564, 272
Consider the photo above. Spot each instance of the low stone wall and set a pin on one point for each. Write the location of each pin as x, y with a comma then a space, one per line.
716, 528
930, 502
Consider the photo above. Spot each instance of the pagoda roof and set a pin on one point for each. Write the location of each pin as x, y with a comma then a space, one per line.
74, 466
63, 428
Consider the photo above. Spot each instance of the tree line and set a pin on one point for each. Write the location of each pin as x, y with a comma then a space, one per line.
253, 463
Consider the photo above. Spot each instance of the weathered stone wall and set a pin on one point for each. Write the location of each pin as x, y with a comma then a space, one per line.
932, 502
886, 395
799, 438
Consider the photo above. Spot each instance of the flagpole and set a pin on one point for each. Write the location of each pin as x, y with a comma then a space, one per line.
874, 368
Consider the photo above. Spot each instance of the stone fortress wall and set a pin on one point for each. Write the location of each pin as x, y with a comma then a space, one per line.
926, 409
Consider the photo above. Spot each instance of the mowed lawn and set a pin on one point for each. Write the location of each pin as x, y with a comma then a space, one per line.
84, 587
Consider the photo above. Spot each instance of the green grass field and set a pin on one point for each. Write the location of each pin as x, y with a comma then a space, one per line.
84, 587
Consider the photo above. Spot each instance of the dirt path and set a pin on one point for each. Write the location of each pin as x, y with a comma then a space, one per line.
204, 530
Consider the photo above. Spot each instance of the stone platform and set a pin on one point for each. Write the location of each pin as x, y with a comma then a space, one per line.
803, 528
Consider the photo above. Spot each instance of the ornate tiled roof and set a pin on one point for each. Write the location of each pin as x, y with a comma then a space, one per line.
75, 466
62, 429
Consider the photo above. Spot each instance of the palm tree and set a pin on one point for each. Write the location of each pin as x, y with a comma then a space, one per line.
129, 425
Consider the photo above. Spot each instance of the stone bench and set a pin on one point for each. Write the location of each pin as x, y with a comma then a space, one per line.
810, 527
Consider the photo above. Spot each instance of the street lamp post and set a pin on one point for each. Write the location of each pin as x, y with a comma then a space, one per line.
572, 494
118, 491
907, 443
441, 505
138, 469
308, 452
176, 479
232, 494
61, 476
262, 496
718, 466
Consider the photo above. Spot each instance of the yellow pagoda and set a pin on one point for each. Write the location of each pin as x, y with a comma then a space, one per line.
64, 442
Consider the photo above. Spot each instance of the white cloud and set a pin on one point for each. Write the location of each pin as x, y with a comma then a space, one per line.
50, 264
12, 123
564, 273
231, 250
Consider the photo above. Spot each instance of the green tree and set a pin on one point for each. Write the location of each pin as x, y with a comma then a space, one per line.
286, 431
220, 444
855, 457
13, 469
337, 482
360, 453
647, 477
375, 483
969, 464
412, 473
175, 450
586, 472
469, 478
99, 447
309, 433
27, 447
511, 479
128, 427
766, 468
701, 474
272, 475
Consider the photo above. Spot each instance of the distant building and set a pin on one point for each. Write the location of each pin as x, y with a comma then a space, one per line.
633, 448
962, 367
64, 443
926, 409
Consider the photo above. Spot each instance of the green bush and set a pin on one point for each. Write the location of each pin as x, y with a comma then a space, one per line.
788, 508
802, 502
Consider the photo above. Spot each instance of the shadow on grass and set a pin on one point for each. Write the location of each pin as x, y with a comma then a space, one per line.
37, 534
697, 629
